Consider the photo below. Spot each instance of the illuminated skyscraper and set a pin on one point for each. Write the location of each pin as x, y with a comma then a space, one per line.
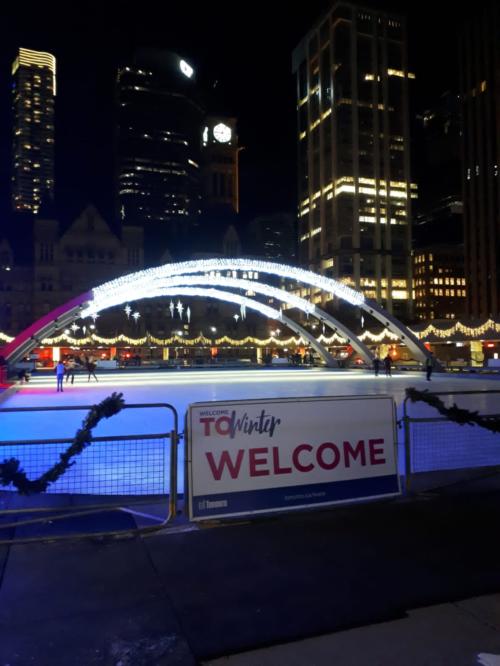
158, 172
34, 89
353, 152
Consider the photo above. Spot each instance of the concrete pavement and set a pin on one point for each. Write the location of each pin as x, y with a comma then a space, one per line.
348, 575
466, 633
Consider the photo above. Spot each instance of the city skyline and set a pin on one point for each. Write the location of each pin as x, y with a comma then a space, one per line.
252, 77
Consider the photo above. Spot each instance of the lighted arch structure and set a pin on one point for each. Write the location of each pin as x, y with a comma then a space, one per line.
199, 278
245, 285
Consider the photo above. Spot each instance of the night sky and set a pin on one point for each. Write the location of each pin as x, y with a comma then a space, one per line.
243, 48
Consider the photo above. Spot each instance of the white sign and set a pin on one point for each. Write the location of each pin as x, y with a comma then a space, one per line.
250, 456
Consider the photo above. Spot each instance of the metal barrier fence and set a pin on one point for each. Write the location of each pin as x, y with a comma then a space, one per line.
118, 474
113, 474
436, 444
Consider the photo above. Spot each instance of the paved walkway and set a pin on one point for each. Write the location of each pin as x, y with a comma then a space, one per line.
193, 595
466, 633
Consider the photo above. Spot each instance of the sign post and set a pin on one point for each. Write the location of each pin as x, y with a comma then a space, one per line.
254, 456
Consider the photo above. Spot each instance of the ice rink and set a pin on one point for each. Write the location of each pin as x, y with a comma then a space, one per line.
181, 388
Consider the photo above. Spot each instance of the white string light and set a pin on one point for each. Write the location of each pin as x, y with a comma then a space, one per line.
146, 290
114, 292
220, 295
331, 340
378, 337
489, 327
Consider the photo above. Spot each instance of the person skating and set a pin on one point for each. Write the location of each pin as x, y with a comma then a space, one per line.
387, 366
70, 370
91, 366
60, 375
429, 366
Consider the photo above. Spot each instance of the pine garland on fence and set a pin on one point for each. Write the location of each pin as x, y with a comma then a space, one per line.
12, 473
454, 413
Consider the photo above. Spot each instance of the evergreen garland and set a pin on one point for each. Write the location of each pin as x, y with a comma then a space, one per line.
12, 473
454, 413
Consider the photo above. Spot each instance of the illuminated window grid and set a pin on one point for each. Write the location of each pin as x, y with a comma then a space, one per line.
346, 184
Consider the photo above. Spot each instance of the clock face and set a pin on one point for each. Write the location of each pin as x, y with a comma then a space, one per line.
186, 69
222, 133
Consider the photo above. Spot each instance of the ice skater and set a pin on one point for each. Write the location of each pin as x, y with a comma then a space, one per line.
23, 376
91, 366
429, 366
70, 370
387, 366
60, 376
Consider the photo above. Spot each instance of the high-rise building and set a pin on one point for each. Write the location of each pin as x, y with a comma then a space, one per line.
438, 270
353, 152
159, 120
437, 153
34, 90
480, 94
273, 237
440, 287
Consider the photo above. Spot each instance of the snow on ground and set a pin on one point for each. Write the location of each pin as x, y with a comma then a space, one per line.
135, 467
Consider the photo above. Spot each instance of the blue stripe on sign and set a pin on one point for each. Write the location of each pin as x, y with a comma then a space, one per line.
291, 496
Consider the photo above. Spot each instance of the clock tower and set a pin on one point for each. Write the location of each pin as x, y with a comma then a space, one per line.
219, 144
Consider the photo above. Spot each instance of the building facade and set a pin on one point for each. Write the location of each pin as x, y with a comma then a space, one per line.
480, 94
220, 186
49, 264
273, 237
353, 153
34, 90
440, 284
158, 142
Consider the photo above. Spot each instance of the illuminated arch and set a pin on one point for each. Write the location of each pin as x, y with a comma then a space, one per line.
79, 307
160, 284
267, 311
32, 336
325, 284
157, 281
